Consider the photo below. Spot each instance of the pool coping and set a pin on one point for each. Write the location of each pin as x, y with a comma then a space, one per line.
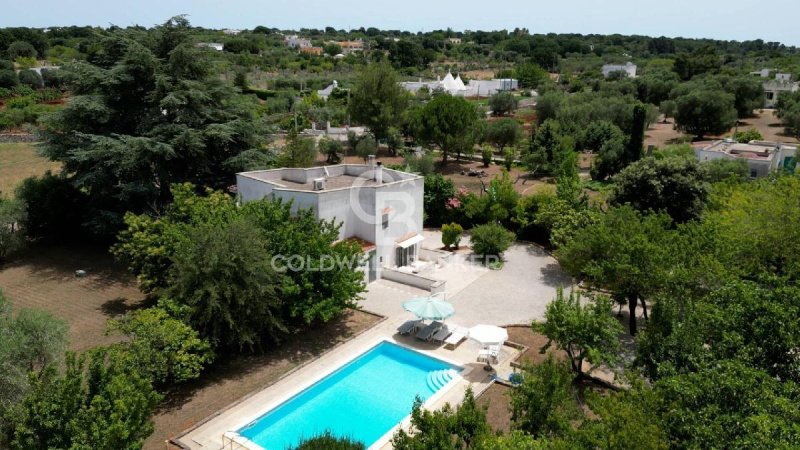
387, 436
176, 441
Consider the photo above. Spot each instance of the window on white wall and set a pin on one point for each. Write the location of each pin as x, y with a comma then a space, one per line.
385, 220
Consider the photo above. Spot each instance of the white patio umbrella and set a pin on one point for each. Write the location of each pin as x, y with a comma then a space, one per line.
488, 335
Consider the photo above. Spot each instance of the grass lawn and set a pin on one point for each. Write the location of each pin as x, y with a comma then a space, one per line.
19, 161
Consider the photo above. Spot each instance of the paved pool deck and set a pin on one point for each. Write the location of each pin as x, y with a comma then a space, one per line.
518, 293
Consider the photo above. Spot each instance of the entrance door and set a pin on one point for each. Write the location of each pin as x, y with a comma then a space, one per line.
372, 267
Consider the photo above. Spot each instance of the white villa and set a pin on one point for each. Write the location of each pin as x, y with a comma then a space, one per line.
629, 69
456, 86
762, 157
295, 41
379, 208
774, 88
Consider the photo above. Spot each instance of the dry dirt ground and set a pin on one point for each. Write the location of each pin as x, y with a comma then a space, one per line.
497, 403
20, 161
231, 379
663, 134
44, 278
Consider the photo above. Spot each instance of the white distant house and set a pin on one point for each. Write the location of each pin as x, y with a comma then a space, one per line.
295, 41
762, 157
379, 208
775, 87
629, 69
456, 86
231, 31
212, 45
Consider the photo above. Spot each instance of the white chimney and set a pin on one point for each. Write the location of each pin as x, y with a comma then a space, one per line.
379, 173
371, 161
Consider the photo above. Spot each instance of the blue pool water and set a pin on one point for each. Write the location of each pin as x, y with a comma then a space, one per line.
363, 399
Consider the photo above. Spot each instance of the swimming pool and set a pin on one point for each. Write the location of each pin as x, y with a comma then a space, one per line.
363, 399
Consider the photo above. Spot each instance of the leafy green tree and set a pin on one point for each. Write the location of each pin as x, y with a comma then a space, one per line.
8, 78
748, 93
626, 421
726, 169
609, 142
702, 60
624, 251
502, 103
366, 146
705, 111
21, 49
377, 100
30, 341
164, 349
298, 151
298, 296
438, 191
331, 149
447, 122
729, 405
633, 149
93, 404
394, 140
788, 110
142, 117
496, 204
754, 224
490, 239
332, 49
585, 331
227, 281
668, 108
545, 402
504, 133
451, 235
530, 75
31, 79
674, 185
548, 149
445, 429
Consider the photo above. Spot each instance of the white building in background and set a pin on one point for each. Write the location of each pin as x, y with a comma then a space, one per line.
379, 208
212, 45
762, 157
294, 41
774, 88
629, 69
456, 86
325, 93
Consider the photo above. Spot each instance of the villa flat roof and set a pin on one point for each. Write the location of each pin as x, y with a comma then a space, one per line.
753, 151
332, 182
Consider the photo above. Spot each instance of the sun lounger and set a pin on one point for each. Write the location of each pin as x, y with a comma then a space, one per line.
408, 327
425, 334
458, 334
442, 334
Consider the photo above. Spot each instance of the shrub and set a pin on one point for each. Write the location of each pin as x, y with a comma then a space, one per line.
8, 79
486, 155
327, 441
160, 347
30, 78
491, 240
451, 234
502, 103
750, 134
422, 165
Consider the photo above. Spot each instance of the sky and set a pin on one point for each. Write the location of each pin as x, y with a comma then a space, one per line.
775, 20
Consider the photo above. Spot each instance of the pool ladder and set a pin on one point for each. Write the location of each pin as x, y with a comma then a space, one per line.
438, 378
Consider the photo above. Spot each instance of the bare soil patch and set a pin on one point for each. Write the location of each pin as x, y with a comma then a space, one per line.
44, 278
497, 402
232, 378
